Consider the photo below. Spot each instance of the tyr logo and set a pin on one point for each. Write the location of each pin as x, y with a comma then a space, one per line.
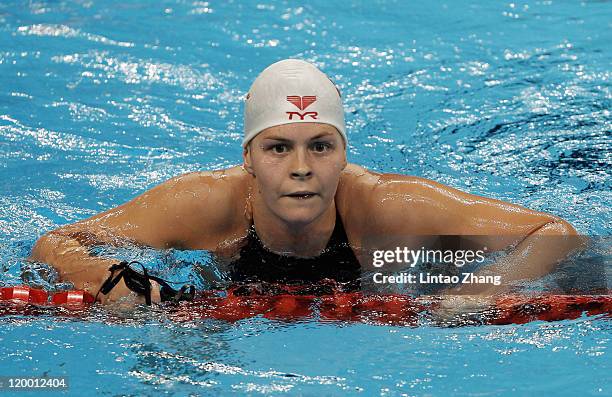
302, 102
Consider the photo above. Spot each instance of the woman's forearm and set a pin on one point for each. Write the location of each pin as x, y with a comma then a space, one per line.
534, 257
74, 264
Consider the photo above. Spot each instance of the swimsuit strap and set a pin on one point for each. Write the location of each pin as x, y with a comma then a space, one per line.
338, 237
141, 283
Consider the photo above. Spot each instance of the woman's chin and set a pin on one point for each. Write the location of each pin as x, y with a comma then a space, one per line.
301, 215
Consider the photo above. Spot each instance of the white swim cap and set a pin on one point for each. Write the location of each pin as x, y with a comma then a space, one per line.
291, 91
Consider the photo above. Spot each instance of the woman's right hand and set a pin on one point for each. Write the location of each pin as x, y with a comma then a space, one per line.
122, 294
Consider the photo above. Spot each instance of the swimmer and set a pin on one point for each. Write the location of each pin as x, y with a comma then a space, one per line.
296, 210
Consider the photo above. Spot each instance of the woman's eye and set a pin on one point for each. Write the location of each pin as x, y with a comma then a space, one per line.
279, 149
321, 147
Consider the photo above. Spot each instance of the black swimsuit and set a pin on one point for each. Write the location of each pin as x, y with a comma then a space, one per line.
337, 262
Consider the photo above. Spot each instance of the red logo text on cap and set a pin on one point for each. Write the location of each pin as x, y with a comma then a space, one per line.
302, 102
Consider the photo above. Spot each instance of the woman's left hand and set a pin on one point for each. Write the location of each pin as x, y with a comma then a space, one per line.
453, 306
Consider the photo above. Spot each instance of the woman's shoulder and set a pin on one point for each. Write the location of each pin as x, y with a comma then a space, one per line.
226, 188
364, 196
356, 179
352, 197
213, 201
226, 176
355, 176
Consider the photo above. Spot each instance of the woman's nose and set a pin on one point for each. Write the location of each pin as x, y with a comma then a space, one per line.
300, 167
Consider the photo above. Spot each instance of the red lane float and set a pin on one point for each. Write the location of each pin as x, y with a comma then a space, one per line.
521, 310
287, 303
379, 309
75, 297
382, 309
24, 294
37, 296
231, 308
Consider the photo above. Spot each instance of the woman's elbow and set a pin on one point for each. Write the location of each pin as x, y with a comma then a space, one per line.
42, 247
45, 247
558, 227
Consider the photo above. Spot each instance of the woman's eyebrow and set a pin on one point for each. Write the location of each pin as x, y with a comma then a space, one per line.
277, 138
282, 139
321, 135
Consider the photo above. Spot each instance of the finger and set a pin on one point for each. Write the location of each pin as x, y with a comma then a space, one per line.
155, 292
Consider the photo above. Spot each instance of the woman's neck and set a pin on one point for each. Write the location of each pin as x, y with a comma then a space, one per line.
302, 240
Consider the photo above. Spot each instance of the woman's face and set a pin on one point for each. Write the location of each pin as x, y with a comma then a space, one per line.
297, 168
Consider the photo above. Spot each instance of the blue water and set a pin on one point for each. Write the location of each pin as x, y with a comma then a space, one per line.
100, 100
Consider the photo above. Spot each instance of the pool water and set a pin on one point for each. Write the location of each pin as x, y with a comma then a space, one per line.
103, 100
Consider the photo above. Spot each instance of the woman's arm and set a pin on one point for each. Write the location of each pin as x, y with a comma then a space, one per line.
411, 206
190, 211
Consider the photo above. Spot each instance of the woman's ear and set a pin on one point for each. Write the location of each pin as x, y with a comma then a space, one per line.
247, 163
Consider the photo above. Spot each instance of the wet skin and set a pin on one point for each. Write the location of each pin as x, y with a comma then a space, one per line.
292, 179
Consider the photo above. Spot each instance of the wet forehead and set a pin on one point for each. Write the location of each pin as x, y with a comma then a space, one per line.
300, 131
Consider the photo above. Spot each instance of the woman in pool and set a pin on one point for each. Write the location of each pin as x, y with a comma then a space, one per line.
296, 210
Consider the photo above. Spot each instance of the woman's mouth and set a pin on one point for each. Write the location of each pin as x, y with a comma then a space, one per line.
302, 195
